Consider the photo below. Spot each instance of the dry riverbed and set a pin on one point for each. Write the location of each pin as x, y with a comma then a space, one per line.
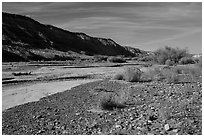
46, 80
17, 95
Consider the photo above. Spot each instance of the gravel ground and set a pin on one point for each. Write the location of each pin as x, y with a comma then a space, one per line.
154, 108
19, 94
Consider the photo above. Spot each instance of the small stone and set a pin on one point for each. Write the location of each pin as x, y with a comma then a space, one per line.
99, 133
150, 134
166, 127
139, 128
161, 92
77, 114
152, 108
149, 121
133, 108
118, 126
131, 118
175, 130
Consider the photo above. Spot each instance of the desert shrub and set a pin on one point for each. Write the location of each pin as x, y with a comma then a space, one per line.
149, 73
116, 59
113, 100
98, 58
196, 60
146, 58
199, 62
178, 70
168, 53
157, 74
192, 71
166, 68
146, 65
118, 77
169, 62
132, 74
168, 74
186, 60
107, 102
171, 76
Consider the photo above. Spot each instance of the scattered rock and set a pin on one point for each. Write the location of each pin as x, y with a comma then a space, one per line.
118, 126
150, 115
175, 130
166, 127
150, 133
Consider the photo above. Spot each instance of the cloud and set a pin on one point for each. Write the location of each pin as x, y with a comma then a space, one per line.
138, 22
177, 36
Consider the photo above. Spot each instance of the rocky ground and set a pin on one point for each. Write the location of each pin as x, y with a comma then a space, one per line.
152, 108
29, 81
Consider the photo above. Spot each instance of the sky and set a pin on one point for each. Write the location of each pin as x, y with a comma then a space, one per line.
144, 25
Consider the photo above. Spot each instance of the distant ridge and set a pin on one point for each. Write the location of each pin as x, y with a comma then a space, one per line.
24, 39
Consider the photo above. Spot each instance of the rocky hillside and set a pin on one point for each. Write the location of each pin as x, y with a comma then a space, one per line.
136, 51
25, 39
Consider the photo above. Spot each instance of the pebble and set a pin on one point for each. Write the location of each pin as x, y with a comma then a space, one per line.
149, 121
166, 127
150, 134
131, 118
118, 126
175, 130
161, 92
65, 132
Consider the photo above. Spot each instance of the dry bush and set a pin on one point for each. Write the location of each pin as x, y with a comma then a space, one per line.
146, 58
99, 58
116, 59
199, 63
178, 70
193, 71
186, 60
168, 53
171, 76
132, 74
108, 102
147, 65
165, 73
152, 73
169, 62
113, 100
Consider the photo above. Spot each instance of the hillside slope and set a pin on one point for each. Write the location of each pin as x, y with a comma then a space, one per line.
24, 39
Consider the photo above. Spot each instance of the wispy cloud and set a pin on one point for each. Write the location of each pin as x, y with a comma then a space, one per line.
177, 36
126, 23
